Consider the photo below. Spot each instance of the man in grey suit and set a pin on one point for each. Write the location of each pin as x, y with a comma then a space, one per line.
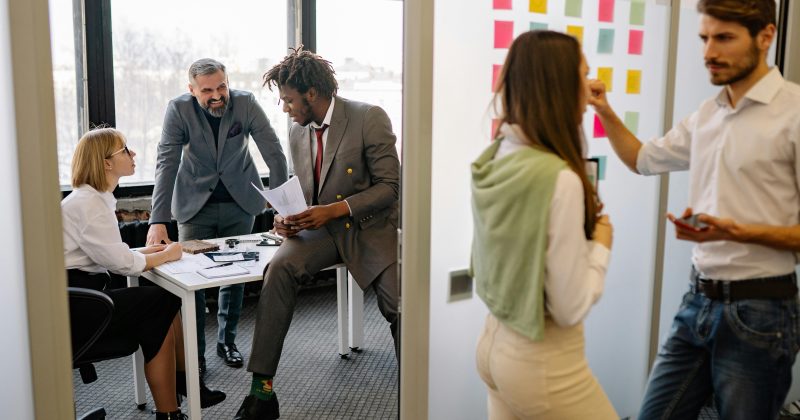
345, 157
203, 176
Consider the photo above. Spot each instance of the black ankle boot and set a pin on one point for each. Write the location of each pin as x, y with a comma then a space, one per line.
208, 397
175, 415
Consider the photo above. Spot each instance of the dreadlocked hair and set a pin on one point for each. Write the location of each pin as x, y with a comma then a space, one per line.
301, 70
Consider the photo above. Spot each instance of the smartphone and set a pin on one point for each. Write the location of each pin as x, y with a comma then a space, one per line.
691, 223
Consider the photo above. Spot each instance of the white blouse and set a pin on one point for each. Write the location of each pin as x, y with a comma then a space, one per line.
575, 268
92, 241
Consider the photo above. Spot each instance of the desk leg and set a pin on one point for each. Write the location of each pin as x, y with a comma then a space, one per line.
190, 354
341, 306
139, 393
355, 303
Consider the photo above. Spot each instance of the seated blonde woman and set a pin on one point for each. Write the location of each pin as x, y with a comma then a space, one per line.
143, 316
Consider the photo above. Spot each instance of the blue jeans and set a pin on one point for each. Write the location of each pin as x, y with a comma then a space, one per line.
217, 220
741, 352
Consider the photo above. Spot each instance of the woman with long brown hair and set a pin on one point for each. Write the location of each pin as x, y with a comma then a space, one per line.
540, 249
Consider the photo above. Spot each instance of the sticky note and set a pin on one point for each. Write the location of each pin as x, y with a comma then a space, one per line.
606, 11
538, 26
637, 12
574, 8
599, 130
634, 85
495, 74
538, 6
632, 122
635, 39
606, 75
576, 31
495, 125
601, 167
502, 5
503, 33
605, 41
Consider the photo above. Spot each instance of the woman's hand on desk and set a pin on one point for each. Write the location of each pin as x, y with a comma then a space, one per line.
152, 249
171, 252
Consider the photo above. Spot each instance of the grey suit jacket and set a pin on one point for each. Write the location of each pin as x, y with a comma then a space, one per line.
189, 166
360, 165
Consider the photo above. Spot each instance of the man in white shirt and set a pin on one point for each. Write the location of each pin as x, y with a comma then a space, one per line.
736, 334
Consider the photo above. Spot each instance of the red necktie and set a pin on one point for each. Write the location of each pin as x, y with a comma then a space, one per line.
318, 161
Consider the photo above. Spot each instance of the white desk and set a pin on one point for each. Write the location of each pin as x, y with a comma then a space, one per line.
350, 299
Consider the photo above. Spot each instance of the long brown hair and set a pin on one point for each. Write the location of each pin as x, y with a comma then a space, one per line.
539, 89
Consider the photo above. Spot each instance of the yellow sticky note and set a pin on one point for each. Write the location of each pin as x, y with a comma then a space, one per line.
606, 75
634, 85
576, 31
538, 6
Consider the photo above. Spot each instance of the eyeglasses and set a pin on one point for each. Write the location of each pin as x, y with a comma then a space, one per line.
124, 149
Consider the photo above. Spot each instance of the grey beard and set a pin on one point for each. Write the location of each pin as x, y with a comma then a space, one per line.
218, 112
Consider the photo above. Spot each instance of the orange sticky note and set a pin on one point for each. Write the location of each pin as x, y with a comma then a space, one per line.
538, 6
606, 75
635, 40
606, 11
503, 33
634, 85
576, 31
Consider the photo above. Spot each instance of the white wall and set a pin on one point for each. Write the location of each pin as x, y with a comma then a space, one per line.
16, 392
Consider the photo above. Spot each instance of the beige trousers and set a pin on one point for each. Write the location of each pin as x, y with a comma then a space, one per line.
548, 379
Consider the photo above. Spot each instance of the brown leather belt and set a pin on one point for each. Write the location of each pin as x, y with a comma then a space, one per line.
778, 287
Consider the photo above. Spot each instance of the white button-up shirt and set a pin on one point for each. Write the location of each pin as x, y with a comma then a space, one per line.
92, 241
744, 164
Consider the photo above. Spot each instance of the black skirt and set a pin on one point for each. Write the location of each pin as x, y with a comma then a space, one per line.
142, 317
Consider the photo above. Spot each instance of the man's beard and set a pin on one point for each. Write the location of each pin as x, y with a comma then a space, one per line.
217, 112
744, 69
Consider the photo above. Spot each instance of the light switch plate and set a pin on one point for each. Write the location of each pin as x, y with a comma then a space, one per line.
460, 286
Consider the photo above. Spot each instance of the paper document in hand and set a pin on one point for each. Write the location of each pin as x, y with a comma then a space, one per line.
288, 199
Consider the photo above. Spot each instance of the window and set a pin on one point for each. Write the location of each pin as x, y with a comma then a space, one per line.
153, 51
65, 83
366, 49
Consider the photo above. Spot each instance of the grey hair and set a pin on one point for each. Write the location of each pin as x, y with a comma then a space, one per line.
204, 67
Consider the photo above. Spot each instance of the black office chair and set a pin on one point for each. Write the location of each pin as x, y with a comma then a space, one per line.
90, 314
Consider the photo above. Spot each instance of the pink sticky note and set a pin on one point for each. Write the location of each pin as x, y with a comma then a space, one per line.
635, 40
599, 130
495, 125
606, 12
502, 4
503, 33
495, 74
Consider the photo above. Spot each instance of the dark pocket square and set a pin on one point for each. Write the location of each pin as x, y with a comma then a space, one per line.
235, 130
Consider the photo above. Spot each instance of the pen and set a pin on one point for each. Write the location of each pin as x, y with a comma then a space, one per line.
222, 265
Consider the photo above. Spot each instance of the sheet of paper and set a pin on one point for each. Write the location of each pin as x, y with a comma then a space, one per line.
187, 264
229, 257
222, 271
288, 199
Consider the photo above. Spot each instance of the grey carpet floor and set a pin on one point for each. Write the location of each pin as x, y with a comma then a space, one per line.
313, 382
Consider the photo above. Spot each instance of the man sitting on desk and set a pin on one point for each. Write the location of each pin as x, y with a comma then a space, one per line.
345, 158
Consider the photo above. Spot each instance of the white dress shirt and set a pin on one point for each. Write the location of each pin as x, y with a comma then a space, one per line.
575, 268
743, 164
92, 241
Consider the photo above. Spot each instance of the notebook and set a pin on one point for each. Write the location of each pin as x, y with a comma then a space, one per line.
222, 271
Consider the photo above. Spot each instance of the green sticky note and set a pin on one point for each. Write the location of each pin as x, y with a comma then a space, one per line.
605, 41
538, 26
632, 122
574, 8
637, 12
601, 167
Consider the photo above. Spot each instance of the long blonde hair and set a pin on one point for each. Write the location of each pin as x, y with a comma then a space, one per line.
539, 89
88, 161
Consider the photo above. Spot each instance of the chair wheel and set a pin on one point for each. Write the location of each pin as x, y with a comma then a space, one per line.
344, 356
141, 406
356, 349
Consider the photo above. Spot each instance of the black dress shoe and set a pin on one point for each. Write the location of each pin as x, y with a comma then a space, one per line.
175, 415
230, 354
201, 362
208, 397
255, 409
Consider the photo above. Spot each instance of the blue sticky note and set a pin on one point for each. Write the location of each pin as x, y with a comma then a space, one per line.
601, 169
605, 41
538, 26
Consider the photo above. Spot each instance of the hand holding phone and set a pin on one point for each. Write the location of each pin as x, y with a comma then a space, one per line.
691, 223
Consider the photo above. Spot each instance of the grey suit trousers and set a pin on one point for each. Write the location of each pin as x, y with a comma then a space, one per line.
295, 263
